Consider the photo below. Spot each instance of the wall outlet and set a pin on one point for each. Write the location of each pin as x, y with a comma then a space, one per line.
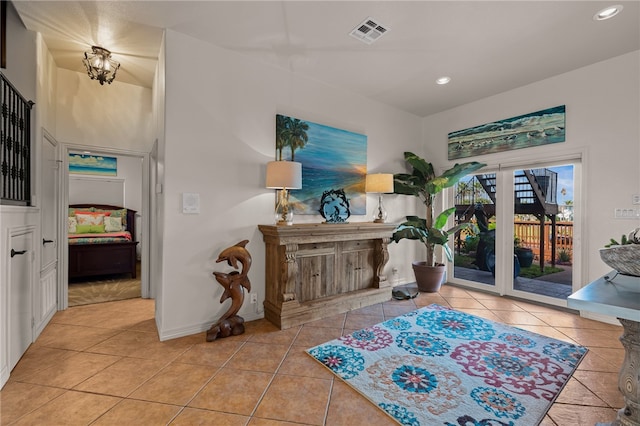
635, 199
254, 298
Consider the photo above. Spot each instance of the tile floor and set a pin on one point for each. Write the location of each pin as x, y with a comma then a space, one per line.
103, 365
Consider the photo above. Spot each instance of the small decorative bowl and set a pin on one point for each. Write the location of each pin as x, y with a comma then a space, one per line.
624, 259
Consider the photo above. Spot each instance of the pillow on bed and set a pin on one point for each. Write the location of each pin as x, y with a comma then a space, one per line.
90, 229
105, 213
72, 223
116, 213
112, 224
90, 219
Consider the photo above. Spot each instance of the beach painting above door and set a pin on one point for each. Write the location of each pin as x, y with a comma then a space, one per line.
524, 131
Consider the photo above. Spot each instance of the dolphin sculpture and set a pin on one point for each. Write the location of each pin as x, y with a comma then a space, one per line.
233, 283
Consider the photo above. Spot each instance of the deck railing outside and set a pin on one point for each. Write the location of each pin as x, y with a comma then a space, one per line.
528, 234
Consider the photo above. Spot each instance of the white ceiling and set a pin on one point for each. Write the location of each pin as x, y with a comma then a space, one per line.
485, 47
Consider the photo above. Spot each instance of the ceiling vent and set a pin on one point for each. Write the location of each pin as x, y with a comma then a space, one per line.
368, 31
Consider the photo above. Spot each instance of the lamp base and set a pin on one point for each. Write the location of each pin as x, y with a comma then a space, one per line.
378, 220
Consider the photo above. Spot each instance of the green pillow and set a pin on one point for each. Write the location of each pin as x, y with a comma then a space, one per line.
90, 229
96, 229
83, 229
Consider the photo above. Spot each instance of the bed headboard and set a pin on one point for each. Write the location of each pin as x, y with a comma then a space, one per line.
131, 214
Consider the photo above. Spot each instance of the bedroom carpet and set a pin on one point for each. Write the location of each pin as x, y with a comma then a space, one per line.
104, 289
436, 365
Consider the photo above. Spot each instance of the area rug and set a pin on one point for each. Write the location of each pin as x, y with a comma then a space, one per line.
438, 366
104, 290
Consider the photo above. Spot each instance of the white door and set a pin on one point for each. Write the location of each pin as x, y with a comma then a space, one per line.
45, 300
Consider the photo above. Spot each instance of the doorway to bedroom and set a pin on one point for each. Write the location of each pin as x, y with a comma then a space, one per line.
106, 261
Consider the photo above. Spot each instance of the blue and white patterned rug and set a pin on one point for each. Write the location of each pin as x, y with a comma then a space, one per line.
437, 366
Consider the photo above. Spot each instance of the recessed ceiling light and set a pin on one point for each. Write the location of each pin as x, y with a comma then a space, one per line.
443, 80
607, 12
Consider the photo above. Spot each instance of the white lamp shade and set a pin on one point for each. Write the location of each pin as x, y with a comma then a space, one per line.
284, 174
379, 182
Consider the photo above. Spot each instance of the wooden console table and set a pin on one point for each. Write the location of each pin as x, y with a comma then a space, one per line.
317, 270
619, 296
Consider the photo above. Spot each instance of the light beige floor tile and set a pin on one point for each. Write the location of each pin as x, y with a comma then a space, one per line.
73, 337
295, 399
603, 385
589, 337
577, 394
72, 371
192, 416
256, 421
358, 322
501, 304
348, 407
299, 363
464, 302
19, 399
139, 344
313, 336
233, 391
518, 318
482, 313
334, 321
258, 357
71, 408
565, 414
214, 354
39, 358
122, 377
277, 337
176, 384
132, 412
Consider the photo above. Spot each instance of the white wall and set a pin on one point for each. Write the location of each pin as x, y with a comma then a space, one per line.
21, 70
220, 127
116, 115
602, 122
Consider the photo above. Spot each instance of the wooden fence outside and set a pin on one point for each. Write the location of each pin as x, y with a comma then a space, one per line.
528, 234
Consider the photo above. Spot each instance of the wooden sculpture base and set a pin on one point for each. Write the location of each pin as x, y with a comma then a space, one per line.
230, 327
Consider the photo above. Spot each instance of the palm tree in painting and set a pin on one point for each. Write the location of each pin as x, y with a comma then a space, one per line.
282, 124
297, 135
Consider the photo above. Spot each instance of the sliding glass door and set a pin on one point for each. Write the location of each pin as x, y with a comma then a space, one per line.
532, 253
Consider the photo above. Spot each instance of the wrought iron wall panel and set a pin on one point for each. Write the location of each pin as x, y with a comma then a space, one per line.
15, 145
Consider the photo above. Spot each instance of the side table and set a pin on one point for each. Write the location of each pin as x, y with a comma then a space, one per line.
618, 295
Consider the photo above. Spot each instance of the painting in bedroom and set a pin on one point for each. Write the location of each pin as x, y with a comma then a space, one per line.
87, 164
331, 159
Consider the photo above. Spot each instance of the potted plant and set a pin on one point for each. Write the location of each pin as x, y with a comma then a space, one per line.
425, 184
524, 254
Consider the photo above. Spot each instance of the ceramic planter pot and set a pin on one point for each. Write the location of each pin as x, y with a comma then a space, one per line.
428, 278
525, 256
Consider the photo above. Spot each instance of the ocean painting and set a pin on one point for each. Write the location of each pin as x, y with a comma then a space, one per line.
86, 164
331, 159
524, 131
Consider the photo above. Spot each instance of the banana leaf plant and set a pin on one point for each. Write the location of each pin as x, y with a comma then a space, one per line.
424, 184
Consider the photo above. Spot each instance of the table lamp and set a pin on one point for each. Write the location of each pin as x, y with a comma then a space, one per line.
381, 183
283, 176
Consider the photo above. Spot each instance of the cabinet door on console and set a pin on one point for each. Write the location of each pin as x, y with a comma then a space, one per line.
316, 265
356, 265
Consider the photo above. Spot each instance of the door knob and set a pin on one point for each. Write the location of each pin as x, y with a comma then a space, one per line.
15, 253
46, 241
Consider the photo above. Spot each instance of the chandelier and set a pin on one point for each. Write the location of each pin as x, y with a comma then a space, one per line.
99, 65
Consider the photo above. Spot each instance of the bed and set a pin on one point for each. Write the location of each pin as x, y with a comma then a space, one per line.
101, 249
